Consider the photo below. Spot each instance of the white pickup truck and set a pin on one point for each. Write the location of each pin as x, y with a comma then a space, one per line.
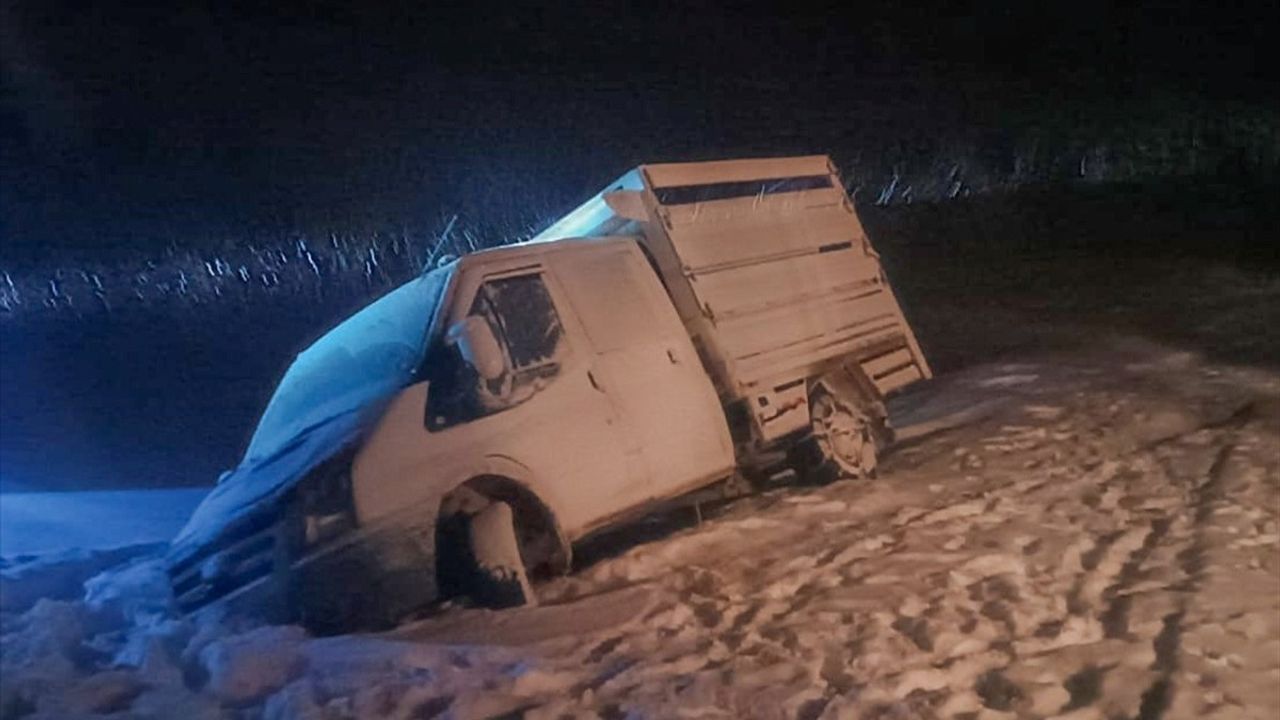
694, 325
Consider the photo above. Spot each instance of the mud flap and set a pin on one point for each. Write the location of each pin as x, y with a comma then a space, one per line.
500, 577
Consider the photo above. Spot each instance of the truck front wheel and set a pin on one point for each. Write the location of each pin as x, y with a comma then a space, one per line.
499, 578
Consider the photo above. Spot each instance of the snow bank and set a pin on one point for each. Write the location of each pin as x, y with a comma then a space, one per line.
246, 668
58, 576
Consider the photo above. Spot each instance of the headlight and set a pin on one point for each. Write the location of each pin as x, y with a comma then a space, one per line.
326, 503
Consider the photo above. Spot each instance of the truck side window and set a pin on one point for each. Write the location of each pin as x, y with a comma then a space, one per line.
523, 318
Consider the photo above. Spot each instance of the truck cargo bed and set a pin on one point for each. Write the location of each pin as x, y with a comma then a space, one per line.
768, 266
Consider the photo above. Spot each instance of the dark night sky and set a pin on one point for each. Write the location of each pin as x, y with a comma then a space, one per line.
157, 121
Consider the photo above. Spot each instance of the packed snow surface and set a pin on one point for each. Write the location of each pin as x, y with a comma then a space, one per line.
1077, 536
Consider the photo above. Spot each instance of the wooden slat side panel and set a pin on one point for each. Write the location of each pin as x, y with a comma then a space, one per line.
810, 279
790, 326
888, 363
925, 371
705, 247
751, 209
801, 359
704, 173
895, 380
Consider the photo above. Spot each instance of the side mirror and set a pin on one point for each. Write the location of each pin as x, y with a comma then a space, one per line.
478, 347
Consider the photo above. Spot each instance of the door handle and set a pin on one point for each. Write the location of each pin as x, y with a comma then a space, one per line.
592, 377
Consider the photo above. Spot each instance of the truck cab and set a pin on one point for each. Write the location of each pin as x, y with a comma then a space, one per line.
595, 400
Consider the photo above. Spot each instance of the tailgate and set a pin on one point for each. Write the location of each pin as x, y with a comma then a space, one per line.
782, 269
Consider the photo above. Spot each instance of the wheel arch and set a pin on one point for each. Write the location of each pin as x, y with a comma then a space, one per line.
504, 480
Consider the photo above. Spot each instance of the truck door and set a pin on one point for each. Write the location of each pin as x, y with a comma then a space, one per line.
647, 366
547, 406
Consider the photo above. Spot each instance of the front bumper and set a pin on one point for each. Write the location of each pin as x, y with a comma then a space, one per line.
366, 578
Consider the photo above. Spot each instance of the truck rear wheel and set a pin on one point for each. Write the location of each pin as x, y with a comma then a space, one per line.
843, 442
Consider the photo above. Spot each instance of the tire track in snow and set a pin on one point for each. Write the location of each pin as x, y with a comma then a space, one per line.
1115, 618
1168, 644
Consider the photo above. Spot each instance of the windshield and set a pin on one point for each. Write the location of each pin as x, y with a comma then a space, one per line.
365, 359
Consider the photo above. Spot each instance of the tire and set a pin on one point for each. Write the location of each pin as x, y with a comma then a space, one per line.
844, 441
499, 578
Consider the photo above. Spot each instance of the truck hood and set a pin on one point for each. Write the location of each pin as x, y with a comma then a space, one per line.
330, 396
256, 486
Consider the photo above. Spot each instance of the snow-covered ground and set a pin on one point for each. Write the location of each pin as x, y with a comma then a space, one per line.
1078, 535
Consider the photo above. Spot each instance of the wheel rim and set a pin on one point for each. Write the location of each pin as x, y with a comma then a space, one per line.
843, 436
